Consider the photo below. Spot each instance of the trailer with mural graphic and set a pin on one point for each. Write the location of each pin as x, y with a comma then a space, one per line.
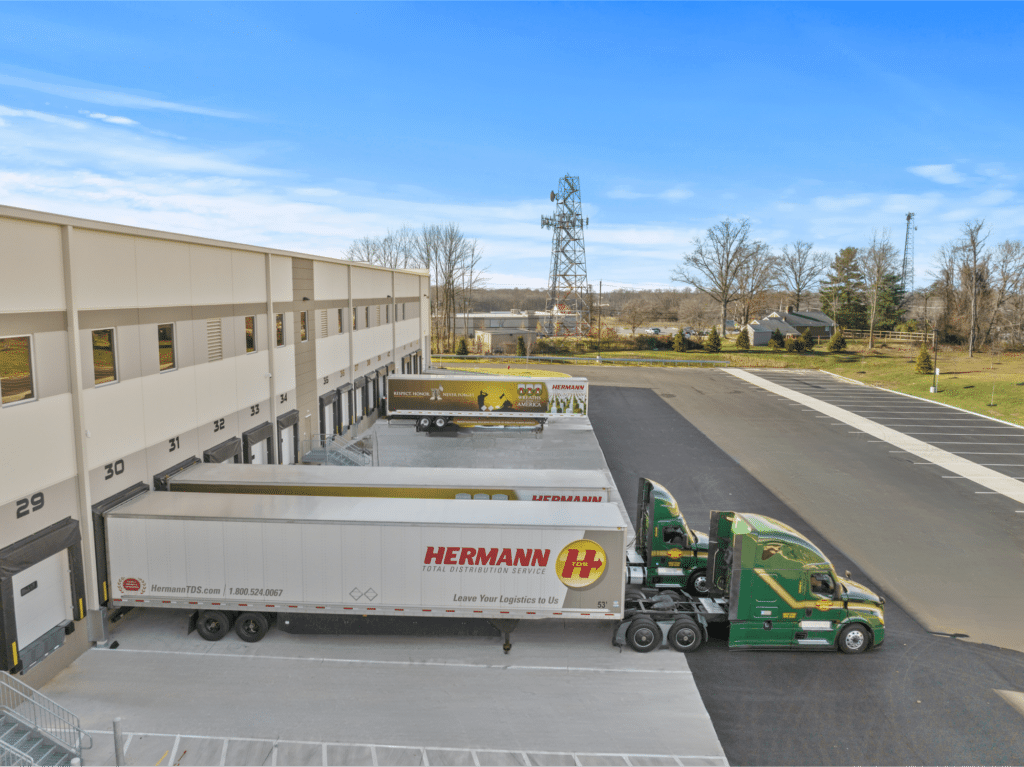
438, 402
250, 561
773, 587
591, 486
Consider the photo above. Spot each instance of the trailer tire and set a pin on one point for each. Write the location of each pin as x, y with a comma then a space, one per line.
685, 635
698, 584
423, 424
644, 635
855, 638
213, 625
440, 422
251, 627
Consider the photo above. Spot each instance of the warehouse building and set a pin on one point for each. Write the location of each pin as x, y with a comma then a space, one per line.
126, 352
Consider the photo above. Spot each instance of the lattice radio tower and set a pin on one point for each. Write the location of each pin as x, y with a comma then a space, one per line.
568, 291
908, 257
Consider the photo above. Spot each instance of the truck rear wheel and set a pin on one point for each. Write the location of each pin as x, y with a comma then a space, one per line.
685, 635
251, 627
423, 424
854, 639
644, 635
213, 625
440, 422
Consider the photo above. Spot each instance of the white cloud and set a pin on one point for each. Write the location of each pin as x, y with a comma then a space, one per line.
836, 204
941, 174
41, 116
99, 95
109, 118
677, 193
627, 193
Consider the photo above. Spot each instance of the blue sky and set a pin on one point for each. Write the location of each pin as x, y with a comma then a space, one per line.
305, 126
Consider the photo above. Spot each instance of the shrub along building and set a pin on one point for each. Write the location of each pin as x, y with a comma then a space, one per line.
126, 352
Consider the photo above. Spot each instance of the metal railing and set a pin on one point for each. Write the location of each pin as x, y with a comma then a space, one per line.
13, 757
581, 360
45, 715
331, 450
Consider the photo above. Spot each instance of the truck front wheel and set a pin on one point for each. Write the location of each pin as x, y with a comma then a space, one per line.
213, 625
251, 627
855, 638
685, 635
698, 584
644, 635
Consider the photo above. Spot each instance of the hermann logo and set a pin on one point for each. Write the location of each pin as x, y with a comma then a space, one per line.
580, 564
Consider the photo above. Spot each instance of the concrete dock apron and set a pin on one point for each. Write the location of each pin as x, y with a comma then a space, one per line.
994, 481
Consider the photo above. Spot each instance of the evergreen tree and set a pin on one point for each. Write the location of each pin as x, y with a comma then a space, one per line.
892, 303
462, 349
680, 342
924, 361
808, 339
795, 344
520, 347
713, 343
776, 342
743, 339
837, 342
842, 291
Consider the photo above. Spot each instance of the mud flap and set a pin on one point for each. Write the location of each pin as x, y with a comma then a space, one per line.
193, 620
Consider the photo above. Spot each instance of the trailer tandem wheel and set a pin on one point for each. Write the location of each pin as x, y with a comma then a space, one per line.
213, 624
251, 627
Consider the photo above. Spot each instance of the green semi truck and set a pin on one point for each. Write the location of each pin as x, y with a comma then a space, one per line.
770, 584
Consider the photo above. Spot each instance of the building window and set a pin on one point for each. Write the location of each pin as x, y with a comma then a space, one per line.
165, 336
303, 332
403, 311
104, 362
250, 334
16, 370
367, 317
341, 320
387, 314
355, 319
280, 329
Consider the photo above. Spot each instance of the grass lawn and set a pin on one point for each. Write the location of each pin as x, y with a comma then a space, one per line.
497, 369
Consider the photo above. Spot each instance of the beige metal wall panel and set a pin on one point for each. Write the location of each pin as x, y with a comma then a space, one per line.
331, 355
170, 404
284, 367
149, 350
281, 278
211, 275
184, 343
50, 351
370, 283
331, 281
164, 272
113, 416
37, 444
114, 475
128, 342
104, 270
30, 262
249, 277
367, 344
59, 501
251, 380
215, 390
407, 332
406, 285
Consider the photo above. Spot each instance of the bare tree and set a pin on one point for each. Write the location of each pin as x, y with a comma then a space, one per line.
1005, 279
697, 311
964, 275
876, 262
364, 249
756, 280
714, 265
635, 313
799, 270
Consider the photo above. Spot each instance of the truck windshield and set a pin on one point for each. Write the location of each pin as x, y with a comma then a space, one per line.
822, 585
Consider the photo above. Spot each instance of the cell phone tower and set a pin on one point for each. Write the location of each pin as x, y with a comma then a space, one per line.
567, 303
908, 256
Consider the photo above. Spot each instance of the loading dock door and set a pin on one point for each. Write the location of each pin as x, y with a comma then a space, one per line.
42, 597
327, 427
287, 440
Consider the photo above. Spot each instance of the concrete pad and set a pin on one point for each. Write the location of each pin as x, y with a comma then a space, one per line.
341, 756
552, 760
596, 760
437, 757
247, 752
300, 754
388, 756
501, 758
199, 751
149, 749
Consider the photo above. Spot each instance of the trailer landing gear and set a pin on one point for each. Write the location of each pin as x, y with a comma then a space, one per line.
506, 627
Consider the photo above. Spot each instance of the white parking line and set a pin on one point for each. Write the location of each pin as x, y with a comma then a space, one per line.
948, 460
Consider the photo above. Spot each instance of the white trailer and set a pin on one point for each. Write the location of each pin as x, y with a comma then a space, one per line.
395, 482
249, 560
